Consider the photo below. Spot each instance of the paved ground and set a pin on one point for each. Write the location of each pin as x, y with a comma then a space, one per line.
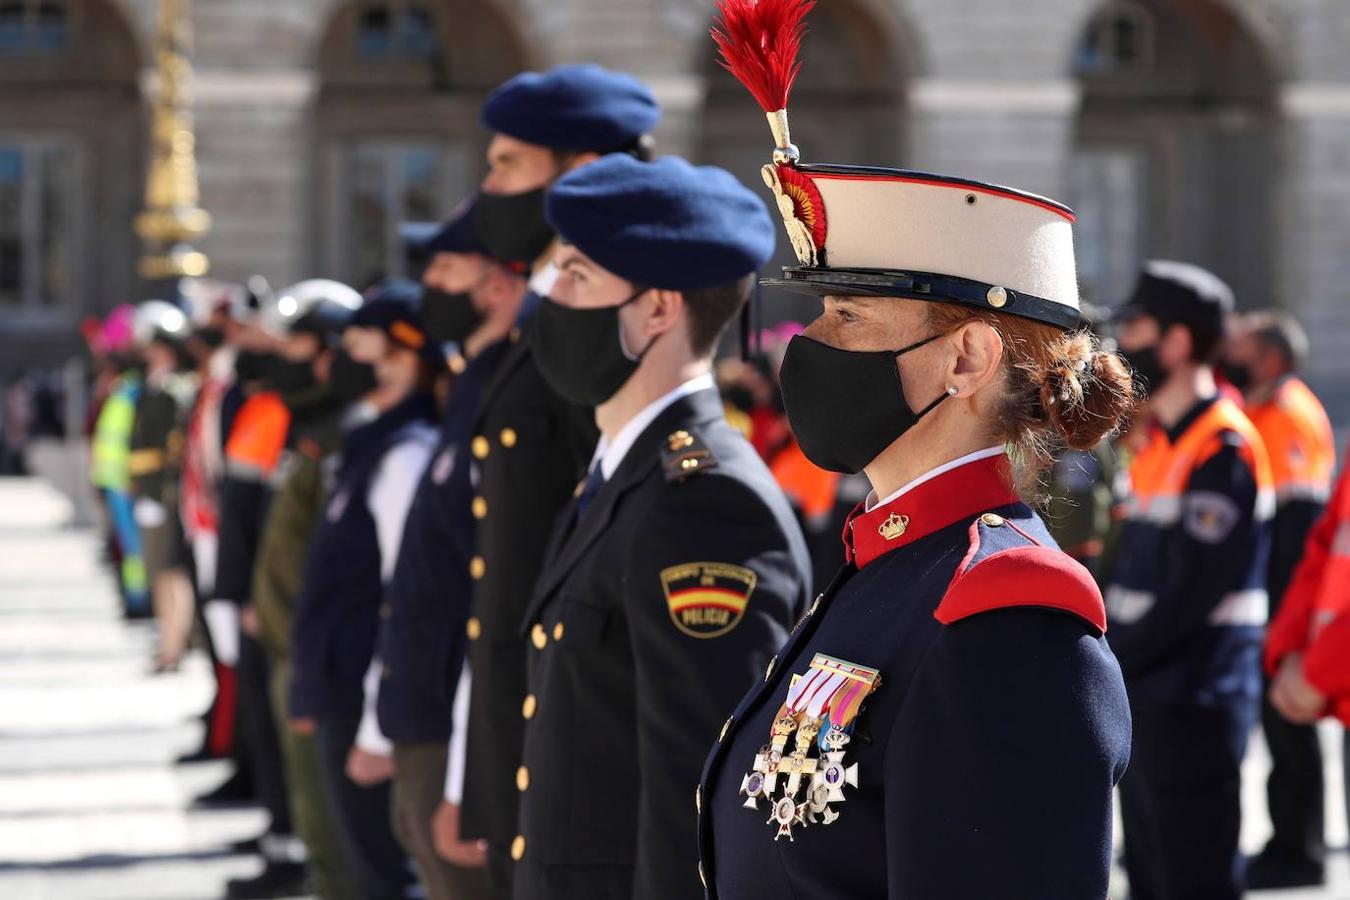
91, 805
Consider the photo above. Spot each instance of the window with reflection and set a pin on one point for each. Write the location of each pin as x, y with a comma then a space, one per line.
395, 30
1117, 42
388, 182
37, 222
33, 27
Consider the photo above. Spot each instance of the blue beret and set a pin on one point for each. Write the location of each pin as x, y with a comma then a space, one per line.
573, 107
662, 224
394, 306
457, 234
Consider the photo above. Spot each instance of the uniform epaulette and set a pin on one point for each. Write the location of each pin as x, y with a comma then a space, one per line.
1019, 572
683, 454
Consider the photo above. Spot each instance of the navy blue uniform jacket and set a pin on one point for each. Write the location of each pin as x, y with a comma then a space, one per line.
426, 602
653, 613
988, 753
337, 612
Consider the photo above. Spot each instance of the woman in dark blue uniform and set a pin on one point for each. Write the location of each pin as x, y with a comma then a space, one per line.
947, 721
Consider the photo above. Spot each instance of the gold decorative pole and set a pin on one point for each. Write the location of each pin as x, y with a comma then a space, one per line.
172, 222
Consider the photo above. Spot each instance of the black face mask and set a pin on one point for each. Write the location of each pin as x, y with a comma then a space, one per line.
1148, 371
580, 351
288, 377
846, 406
211, 337
349, 380
309, 404
250, 365
449, 318
512, 226
1239, 376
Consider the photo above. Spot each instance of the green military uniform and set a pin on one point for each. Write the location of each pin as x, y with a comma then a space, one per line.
291, 520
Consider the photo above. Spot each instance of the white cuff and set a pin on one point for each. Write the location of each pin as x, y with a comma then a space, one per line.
222, 624
368, 735
454, 765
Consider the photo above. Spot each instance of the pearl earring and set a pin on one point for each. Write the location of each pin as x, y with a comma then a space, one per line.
952, 391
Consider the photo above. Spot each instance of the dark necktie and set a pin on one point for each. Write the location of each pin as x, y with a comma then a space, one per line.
594, 482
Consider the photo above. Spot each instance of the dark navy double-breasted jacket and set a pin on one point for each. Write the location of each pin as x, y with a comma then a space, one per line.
987, 755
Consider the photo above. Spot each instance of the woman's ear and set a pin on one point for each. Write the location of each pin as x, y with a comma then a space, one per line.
978, 356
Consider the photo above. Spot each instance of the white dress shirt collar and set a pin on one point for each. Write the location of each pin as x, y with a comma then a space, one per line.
610, 453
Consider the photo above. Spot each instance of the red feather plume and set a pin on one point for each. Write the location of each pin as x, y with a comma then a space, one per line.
759, 41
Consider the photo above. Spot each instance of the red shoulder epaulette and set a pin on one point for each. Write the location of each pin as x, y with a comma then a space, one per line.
1032, 575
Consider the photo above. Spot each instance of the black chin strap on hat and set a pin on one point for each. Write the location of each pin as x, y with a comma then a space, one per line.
751, 345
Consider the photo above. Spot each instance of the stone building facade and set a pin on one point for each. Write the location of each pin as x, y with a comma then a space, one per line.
1211, 130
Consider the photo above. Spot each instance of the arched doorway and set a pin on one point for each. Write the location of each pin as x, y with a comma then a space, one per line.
396, 122
72, 135
1176, 146
848, 106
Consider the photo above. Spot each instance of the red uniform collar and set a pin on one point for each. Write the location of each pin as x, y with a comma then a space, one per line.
963, 492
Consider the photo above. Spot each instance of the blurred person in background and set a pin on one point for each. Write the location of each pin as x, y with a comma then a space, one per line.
1079, 499
1186, 591
110, 449
295, 333
1265, 351
292, 516
470, 303
529, 445
1307, 654
754, 400
155, 461
386, 444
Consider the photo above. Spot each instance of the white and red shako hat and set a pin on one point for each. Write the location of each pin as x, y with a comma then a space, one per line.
860, 230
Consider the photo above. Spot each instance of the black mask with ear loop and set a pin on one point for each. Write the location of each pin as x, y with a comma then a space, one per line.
580, 351
846, 406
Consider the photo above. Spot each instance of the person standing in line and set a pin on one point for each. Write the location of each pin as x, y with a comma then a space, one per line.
1262, 360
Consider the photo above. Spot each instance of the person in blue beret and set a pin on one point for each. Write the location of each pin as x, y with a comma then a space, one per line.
545, 124
677, 569
528, 444
470, 303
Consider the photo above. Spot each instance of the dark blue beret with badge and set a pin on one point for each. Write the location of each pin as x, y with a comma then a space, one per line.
664, 224
457, 234
581, 107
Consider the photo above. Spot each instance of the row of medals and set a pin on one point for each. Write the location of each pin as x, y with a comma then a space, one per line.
824, 780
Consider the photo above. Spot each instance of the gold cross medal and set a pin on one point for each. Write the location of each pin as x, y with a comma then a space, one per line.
821, 708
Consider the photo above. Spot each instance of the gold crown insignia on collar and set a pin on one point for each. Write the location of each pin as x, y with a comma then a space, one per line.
893, 527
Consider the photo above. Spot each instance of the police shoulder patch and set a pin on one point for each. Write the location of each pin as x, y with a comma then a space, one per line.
1210, 517
683, 453
707, 599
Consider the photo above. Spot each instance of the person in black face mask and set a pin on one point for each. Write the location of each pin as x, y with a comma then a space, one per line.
471, 305
688, 556
957, 662
1186, 588
300, 328
590, 111
387, 441
528, 444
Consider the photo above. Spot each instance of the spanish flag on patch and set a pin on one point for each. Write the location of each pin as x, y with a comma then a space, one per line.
707, 599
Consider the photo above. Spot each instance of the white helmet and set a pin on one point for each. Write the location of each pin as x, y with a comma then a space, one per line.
156, 319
